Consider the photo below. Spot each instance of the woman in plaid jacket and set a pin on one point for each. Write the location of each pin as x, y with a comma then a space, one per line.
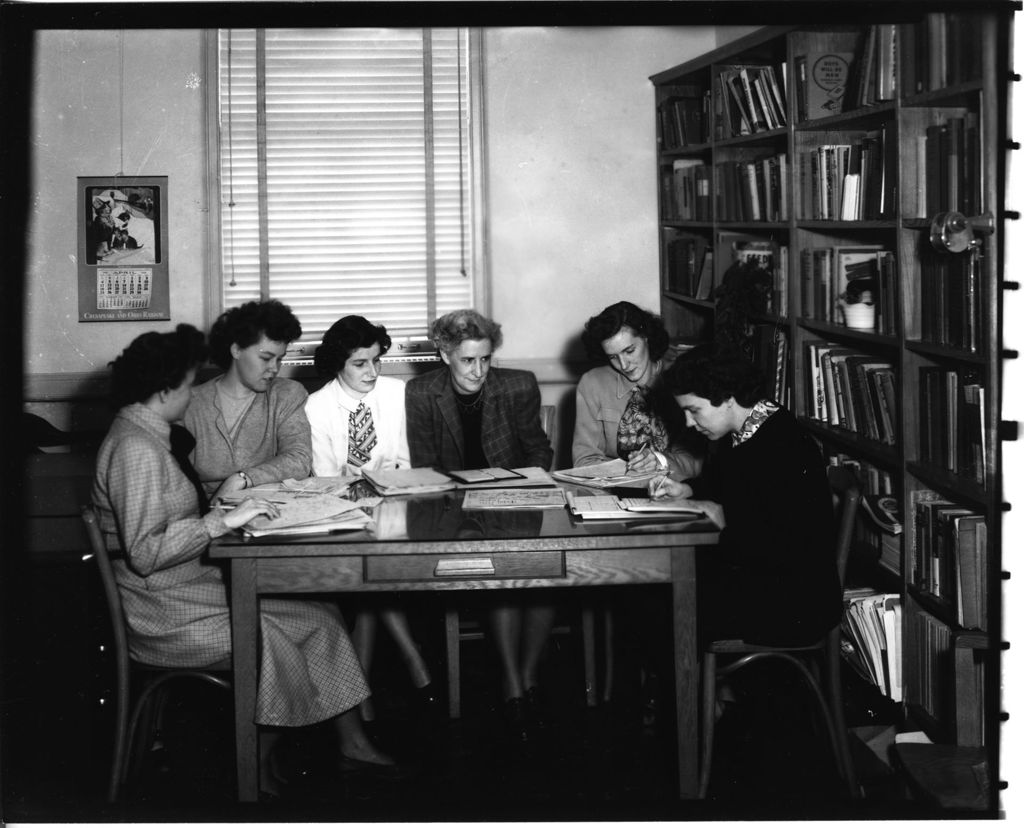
468, 415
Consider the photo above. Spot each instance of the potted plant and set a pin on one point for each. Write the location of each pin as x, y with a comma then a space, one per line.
857, 303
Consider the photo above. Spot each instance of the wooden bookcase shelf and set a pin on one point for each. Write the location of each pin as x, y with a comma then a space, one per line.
853, 194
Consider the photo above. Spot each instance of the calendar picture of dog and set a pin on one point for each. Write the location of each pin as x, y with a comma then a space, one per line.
122, 229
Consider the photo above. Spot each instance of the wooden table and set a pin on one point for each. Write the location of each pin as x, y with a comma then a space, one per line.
430, 543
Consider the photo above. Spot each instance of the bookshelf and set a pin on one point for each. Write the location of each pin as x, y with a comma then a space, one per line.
853, 159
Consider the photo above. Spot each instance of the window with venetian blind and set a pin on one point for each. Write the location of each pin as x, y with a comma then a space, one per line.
346, 174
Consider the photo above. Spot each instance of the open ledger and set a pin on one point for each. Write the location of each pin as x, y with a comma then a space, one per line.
528, 476
607, 475
609, 507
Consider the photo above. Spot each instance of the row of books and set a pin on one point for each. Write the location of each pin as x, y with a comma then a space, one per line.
951, 299
687, 190
949, 556
753, 190
852, 390
950, 167
752, 99
850, 181
939, 50
952, 421
831, 276
689, 262
929, 673
873, 73
683, 121
872, 631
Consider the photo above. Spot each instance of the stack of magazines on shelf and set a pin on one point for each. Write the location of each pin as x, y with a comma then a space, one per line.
872, 638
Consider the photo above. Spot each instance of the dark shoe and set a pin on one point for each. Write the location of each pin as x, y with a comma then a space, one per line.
392, 770
535, 704
517, 719
290, 764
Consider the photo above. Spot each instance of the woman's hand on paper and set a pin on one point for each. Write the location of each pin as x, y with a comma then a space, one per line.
664, 487
645, 460
248, 509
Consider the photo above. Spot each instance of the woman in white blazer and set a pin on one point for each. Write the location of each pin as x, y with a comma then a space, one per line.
357, 421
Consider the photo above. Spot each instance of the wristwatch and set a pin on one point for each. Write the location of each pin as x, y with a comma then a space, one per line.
246, 482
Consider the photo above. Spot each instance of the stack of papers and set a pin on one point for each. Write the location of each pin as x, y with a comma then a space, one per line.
609, 507
302, 513
607, 475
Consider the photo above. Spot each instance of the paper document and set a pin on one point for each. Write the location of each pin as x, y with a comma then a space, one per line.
605, 475
525, 477
303, 509
514, 499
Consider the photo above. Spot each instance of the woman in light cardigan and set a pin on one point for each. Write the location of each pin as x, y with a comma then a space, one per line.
357, 395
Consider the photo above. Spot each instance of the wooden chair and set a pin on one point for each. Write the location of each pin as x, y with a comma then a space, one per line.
459, 629
153, 680
804, 659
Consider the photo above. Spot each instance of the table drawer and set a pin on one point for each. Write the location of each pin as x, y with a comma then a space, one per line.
544, 563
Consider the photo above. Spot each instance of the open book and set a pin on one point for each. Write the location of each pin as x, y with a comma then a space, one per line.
607, 475
528, 476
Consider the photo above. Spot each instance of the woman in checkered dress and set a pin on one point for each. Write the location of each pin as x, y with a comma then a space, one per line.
174, 602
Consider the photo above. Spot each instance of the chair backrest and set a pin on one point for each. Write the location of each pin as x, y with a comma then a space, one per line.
846, 489
110, 590
547, 421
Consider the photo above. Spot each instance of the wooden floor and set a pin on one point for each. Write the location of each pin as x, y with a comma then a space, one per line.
588, 764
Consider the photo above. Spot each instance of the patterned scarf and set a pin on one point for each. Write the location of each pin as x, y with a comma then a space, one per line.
639, 426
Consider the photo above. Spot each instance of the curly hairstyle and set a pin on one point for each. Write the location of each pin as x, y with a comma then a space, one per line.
243, 326
348, 334
448, 332
155, 362
716, 372
624, 315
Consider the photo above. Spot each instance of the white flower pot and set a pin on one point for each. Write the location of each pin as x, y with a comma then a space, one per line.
859, 316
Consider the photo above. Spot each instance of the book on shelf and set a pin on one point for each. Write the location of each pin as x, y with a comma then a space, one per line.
929, 640
969, 537
684, 260
822, 77
408, 481
706, 276
858, 264
872, 625
969, 653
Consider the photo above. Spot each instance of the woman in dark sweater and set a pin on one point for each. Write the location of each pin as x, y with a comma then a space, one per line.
772, 579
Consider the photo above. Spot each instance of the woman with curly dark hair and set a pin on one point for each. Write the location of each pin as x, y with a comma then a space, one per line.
250, 425
772, 579
357, 422
174, 602
621, 408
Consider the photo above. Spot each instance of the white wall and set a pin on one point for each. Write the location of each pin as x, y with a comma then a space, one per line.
76, 131
572, 176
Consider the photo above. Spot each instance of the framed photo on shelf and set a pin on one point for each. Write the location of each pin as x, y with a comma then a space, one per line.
122, 249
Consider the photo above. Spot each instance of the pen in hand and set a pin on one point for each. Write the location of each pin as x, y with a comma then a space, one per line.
656, 488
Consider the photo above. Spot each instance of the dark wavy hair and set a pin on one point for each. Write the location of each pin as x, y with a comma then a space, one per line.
624, 315
155, 362
348, 334
243, 326
716, 372
448, 332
